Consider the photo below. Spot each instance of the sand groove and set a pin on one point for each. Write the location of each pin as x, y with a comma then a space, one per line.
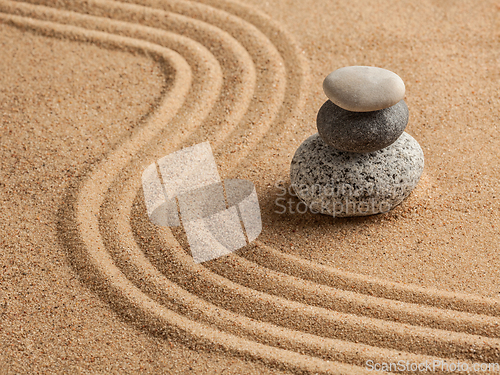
209, 77
319, 321
238, 69
270, 82
298, 289
249, 28
335, 278
235, 71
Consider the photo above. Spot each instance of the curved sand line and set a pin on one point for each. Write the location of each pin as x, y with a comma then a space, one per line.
246, 273
357, 370
266, 59
330, 276
271, 83
307, 364
183, 45
276, 38
320, 321
238, 68
296, 64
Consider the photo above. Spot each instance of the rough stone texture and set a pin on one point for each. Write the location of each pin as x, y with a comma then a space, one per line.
364, 88
343, 184
361, 131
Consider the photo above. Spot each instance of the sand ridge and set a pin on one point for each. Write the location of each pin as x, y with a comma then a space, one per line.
238, 79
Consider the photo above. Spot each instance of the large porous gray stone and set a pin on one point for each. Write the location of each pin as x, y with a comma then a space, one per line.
361, 131
364, 88
341, 184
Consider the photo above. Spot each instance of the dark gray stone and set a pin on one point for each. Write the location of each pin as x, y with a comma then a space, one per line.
361, 131
341, 184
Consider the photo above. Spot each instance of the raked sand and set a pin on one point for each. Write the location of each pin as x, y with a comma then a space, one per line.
91, 92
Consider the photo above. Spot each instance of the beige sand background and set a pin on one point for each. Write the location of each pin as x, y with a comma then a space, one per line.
91, 92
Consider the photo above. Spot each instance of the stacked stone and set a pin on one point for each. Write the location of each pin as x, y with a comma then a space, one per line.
361, 161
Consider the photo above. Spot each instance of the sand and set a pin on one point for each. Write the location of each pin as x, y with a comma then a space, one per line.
91, 92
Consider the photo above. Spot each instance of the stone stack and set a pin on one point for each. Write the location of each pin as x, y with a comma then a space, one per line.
361, 161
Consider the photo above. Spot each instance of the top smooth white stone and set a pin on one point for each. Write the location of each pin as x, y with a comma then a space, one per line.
364, 88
